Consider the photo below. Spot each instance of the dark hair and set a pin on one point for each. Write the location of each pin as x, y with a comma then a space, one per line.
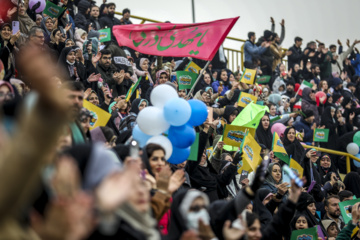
332, 46
345, 194
321, 44
55, 31
250, 34
105, 52
108, 133
74, 86
298, 39
152, 147
111, 4
326, 203
126, 10
314, 65
310, 43
92, 6
250, 218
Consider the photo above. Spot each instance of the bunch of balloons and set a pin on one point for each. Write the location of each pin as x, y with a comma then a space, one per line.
353, 148
171, 116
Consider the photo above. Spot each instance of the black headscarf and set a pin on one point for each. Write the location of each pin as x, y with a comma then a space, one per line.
295, 149
260, 209
305, 94
264, 136
325, 174
67, 70
351, 182
135, 105
304, 200
296, 217
329, 121
228, 111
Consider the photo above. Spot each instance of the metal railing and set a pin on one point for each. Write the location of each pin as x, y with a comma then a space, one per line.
235, 57
347, 155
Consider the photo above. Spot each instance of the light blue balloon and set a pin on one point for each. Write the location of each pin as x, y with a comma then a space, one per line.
356, 163
179, 155
139, 136
177, 111
199, 112
182, 136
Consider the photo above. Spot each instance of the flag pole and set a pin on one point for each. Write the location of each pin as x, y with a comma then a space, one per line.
197, 80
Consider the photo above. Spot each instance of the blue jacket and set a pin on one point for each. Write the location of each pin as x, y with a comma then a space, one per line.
302, 124
356, 64
215, 85
251, 50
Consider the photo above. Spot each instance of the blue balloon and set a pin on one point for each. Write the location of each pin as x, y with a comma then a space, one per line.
182, 137
356, 163
139, 136
199, 112
179, 155
177, 111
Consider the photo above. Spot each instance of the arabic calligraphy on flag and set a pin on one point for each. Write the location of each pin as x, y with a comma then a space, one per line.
199, 40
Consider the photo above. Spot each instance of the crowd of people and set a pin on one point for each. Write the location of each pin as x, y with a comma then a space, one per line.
62, 180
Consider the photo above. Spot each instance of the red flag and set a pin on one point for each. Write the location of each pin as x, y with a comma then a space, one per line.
198, 40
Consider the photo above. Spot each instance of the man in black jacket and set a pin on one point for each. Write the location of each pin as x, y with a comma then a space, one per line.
296, 53
109, 20
81, 18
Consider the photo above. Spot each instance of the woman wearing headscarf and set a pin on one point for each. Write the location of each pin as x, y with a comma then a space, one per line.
187, 209
229, 116
90, 48
309, 103
325, 166
204, 82
25, 22
222, 82
263, 132
7, 49
292, 146
55, 42
104, 135
329, 120
162, 77
351, 182
306, 206
48, 25
273, 182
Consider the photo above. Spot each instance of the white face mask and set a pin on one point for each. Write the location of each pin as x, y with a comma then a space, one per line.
70, 62
193, 218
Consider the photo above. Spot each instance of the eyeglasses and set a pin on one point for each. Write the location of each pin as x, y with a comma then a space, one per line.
41, 37
7, 95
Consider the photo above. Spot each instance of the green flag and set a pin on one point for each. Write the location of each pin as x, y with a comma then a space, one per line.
263, 79
132, 90
194, 149
321, 135
53, 10
305, 234
250, 116
186, 79
105, 34
344, 209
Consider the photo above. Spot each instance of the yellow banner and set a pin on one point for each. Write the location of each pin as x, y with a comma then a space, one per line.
251, 152
278, 149
245, 99
295, 166
193, 67
248, 76
234, 135
100, 117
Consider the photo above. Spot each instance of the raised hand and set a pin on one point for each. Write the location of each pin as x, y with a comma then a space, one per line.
230, 233
15, 37
87, 93
339, 42
68, 26
96, 58
348, 42
11, 11
282, 188
94, 78
205, 231
272, 20
282, 22
176, 180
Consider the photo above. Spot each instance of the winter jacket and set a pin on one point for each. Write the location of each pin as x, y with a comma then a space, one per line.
356, 64
251, 50
78, 40
215, 85
346, 232
108, 21
302, 124
295, 57
95, 23
80, 18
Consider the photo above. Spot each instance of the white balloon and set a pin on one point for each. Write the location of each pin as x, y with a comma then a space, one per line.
352, 148
164, 142
151, 121
161, 94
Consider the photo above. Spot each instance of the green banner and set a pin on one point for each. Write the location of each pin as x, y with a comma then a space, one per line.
263, 79
53, 10
305, 234
105, 34
194, 150
344, 209
321, 135
132, 90
186, 79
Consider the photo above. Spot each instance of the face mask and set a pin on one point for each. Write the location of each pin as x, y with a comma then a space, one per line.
193, 218
70, 62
